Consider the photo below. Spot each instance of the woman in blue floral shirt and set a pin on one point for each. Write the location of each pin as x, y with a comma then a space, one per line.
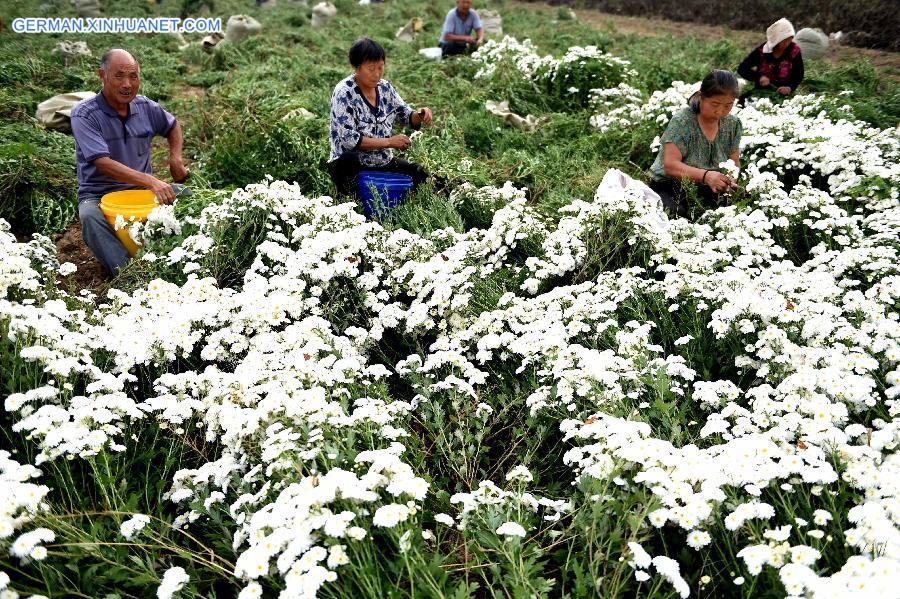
364, 108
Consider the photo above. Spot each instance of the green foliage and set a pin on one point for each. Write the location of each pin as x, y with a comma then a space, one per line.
582, 75
245, 146
37, 178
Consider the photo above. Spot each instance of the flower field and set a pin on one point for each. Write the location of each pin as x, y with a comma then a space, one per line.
516, 389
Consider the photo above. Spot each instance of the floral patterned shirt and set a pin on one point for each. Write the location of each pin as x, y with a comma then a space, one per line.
353, 117
696, 150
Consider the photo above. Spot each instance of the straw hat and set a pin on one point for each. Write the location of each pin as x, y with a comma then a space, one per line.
777, 32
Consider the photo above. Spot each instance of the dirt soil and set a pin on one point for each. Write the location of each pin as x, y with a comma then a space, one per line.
70, 247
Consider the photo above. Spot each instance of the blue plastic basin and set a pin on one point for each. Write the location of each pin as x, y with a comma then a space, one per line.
381, 192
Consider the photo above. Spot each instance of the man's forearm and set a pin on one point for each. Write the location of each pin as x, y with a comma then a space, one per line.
118, 171
176, 140
452, 37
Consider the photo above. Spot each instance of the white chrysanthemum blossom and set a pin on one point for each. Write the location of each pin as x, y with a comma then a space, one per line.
133, 526
512, 529
173, 580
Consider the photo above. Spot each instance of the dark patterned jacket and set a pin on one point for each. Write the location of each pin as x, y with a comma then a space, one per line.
786, 70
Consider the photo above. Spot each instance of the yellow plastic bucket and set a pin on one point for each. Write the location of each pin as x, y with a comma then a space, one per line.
134, 205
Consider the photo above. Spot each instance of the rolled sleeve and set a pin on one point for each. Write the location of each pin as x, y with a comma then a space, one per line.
476, 21
736, 138
448, 26
89, 138
749, 67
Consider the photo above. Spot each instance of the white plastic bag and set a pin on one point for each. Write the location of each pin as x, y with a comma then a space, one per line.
87, 8
212, 40
527, 123
492, 23
813, 42
408, 32
322, 13
71, 50
432, 53
241, 27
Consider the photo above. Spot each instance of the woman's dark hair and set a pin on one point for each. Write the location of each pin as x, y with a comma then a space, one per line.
364, 50
717, 83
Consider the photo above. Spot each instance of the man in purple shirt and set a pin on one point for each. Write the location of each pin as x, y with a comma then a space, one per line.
113, 131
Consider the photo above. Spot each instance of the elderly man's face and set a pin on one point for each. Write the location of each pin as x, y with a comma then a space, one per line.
463, 5
121, 78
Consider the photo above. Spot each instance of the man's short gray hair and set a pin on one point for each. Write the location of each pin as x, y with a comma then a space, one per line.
104, 60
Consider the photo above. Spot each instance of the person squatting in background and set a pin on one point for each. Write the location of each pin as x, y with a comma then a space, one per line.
460, 22
696, 141
776, 64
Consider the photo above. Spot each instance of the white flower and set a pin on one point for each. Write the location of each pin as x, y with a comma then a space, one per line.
511, 529
405, 541
131, 527
390, 515
38, 553
642, 559
520, 473
444, 519
698, 538
173, 581
821, 517
658, 517
804, 555
670, 570
730, 167
251, 591
66, 269
337, 556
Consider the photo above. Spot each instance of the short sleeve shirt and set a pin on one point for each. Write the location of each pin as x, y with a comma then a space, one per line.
696, 150
353, 117
456, 25
99, 131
